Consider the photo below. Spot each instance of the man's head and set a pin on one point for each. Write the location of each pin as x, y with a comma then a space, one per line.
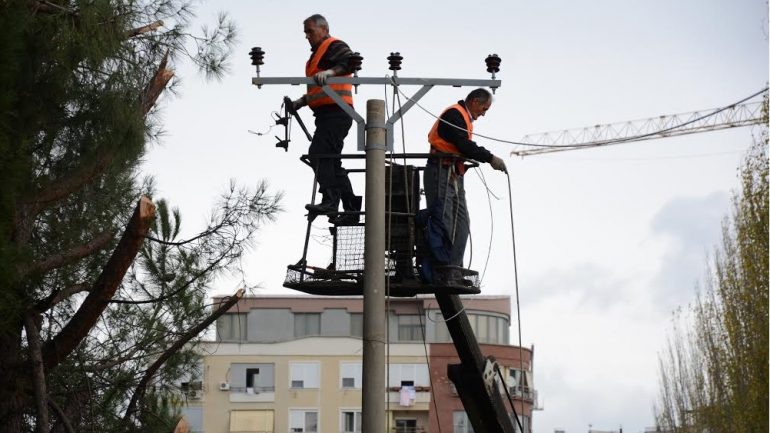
478, 102
316, 29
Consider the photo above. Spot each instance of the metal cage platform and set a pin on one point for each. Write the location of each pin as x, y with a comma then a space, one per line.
405, 247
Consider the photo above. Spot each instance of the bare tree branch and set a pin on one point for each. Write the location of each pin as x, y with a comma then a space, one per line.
144, 29
156, 85
76, 253
38, 372
59, 296
104, 288
224, 305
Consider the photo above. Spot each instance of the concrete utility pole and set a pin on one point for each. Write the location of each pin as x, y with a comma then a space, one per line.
373, 403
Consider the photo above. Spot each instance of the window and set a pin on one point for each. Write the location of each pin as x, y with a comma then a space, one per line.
194, 417
350, 421
410, 327
304, 374
406, 425
307, 324
461, 422
350, 374
442, 332
488, 328
357, 324
231, 327
408, 375
252, 421
252, 378
303, 421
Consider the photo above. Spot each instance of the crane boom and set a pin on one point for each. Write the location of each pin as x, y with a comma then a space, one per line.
644, 129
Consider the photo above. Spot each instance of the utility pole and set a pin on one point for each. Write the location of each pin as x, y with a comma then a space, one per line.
373, 403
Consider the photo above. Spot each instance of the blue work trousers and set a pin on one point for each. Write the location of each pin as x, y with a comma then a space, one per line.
444, 184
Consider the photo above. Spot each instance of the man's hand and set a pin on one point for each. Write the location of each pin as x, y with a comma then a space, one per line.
299, 103
320, 77
498, 164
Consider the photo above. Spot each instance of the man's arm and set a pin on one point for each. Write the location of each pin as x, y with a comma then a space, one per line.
337, 58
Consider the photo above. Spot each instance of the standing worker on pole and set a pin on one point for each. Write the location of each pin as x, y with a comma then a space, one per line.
453, 134
329, 58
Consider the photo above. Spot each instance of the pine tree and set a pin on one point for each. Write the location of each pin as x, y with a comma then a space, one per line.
78, 341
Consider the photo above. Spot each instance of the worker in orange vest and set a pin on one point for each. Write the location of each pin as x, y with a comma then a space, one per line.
453, 134
329, 58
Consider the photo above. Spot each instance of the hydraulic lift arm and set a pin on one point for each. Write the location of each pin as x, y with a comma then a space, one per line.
474, 377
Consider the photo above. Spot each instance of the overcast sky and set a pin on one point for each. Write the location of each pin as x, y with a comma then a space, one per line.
610, 241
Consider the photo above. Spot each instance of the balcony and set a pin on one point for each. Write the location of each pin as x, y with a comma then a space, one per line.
523, 392
252, 394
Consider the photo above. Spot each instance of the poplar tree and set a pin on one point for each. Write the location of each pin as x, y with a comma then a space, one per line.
99, 298
714, 371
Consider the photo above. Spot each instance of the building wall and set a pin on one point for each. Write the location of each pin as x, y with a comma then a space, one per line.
443, 354
261, 331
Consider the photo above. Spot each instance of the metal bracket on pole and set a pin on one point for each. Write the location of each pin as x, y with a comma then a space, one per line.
404, 108
426, 83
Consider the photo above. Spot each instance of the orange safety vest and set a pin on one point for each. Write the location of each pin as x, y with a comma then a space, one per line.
315, 96
438, 144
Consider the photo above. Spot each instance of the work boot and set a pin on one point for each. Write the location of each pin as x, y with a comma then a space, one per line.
350, 203
329, 203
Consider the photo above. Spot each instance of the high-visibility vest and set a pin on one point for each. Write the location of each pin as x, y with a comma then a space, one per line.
438, 144
315, 96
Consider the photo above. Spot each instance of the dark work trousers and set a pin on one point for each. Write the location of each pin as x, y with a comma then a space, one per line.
329, 138
444, 184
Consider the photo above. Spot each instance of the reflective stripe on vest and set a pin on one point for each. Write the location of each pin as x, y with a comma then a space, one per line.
315, 95
438, 144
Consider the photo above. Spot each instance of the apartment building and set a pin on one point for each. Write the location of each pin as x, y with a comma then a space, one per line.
292, 364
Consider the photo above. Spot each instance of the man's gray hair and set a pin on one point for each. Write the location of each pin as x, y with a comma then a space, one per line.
318, 20
481, 95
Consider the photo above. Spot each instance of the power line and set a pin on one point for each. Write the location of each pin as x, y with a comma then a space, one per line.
668, 131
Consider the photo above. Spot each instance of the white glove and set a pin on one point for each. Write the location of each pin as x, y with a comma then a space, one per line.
498, 164
320, 78
299, 103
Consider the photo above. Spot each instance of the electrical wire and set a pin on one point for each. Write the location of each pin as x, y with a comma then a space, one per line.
515, 273
420, 314
581, 146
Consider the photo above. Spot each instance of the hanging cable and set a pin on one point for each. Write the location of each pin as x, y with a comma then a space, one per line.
515, 273
420, 313
581, 146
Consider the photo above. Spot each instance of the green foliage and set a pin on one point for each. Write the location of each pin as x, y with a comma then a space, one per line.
714, 372
75, 119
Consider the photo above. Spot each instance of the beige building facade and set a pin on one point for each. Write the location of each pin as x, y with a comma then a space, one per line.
293, 365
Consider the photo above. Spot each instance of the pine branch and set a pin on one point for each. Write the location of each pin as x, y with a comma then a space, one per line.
38, 372
184, 339
57, 189
59, 347
62, 416
66, 257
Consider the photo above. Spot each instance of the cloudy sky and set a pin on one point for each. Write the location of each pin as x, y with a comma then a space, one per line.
609, 241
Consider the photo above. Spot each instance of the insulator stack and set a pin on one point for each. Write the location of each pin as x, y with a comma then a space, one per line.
394, 59
493, 66
257, 59
354, 63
